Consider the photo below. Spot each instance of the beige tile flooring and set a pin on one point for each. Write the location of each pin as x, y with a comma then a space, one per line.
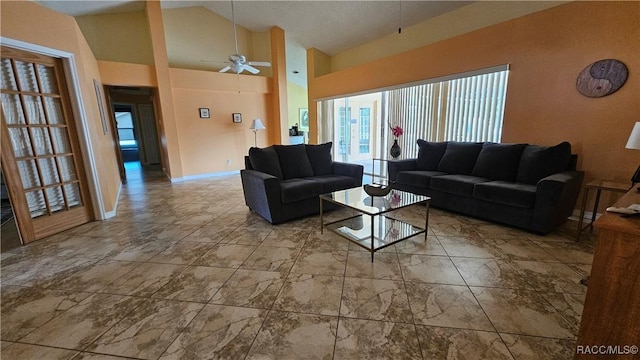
186, 271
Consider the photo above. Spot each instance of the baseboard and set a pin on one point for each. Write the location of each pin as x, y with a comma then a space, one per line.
204, 176
112, 213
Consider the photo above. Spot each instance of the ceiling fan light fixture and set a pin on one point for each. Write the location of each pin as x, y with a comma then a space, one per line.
238, 61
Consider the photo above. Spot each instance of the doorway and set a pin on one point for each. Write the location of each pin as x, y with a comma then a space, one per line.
137, 138
9, 236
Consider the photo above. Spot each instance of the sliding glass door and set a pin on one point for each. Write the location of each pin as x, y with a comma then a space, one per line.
465, 107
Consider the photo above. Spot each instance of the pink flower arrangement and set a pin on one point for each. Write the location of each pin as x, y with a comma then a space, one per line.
396, 131
395, 198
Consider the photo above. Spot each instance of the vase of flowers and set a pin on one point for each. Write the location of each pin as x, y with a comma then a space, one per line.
395, 148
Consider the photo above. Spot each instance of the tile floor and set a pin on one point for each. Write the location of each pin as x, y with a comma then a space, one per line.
185, 271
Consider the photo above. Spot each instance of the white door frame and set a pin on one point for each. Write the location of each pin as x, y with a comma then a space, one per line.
80, 116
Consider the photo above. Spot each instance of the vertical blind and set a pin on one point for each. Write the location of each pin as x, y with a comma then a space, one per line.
463, 109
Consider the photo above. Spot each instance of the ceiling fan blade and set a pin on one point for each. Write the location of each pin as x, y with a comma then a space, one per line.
225, 69
259, 63
250, 68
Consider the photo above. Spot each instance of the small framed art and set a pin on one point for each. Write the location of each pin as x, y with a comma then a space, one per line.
304, 119
204, 113
237, 117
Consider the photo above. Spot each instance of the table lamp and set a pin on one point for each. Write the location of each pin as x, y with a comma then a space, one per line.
634, 143
255, 126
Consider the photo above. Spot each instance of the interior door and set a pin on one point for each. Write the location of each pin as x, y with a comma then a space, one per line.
149, 135
41, 157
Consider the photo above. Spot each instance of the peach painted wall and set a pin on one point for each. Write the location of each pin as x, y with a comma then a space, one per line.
126, 74
546, 52
121, 37
194, 34
474, 16
206, 145
29, 22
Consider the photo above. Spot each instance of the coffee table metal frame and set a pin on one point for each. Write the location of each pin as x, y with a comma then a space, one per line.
384, 230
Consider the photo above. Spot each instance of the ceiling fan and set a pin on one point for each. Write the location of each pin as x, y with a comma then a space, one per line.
238, 62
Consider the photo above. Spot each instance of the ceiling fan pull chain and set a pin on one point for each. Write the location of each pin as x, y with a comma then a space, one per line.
400, 27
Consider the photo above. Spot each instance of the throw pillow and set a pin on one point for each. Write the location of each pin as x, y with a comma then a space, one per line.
265, 160
320, 158
498, 161
294, 161
429, 155
460, 158
538, 162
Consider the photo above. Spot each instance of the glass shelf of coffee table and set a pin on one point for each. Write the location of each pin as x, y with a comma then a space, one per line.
374, 228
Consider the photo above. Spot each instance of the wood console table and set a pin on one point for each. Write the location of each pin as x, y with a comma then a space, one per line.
611, 315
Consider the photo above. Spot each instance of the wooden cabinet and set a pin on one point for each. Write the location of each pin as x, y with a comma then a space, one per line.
611, 315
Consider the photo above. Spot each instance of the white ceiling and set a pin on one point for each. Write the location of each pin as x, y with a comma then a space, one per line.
330, 26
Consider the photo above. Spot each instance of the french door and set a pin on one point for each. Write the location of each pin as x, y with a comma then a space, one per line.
41, 157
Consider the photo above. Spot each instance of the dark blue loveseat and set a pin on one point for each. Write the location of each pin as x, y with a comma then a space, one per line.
283, 182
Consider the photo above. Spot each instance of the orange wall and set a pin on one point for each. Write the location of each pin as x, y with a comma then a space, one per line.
206, 145
546, 52
26, 21
126, 74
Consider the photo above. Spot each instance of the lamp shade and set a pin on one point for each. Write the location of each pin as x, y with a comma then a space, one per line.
634, 138
257, 125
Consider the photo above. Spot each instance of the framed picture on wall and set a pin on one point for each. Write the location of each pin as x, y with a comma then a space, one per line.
98, 86
304, 119
204, 113
237, 117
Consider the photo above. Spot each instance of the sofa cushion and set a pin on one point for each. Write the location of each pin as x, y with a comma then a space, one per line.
498, 161
294, 161
456, 184
331, 183
430, 154
320, 158
265, 160
417, 178
538, 162
459, 158
508, 193
293, 190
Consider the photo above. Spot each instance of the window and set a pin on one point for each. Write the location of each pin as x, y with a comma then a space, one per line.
365, 130
469, 108
461, 107
125, 129
344, 128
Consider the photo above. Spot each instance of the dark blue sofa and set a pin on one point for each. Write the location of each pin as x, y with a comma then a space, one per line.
283, 182
526, 186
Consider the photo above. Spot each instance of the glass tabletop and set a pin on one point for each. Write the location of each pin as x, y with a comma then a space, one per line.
358, 199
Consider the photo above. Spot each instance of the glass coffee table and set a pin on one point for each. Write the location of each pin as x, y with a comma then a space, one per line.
374, 227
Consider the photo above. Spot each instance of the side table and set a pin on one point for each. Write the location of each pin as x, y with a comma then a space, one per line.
599, 186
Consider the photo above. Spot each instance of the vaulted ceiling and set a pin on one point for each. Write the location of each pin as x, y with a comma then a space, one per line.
330, 26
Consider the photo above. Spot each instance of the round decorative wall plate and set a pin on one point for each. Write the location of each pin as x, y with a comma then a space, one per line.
602, 78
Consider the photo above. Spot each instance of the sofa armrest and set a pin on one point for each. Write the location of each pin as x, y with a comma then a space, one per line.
352, 170
395, 166
556, 196
261, 192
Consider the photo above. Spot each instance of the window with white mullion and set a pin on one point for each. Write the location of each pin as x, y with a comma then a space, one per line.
465, 108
